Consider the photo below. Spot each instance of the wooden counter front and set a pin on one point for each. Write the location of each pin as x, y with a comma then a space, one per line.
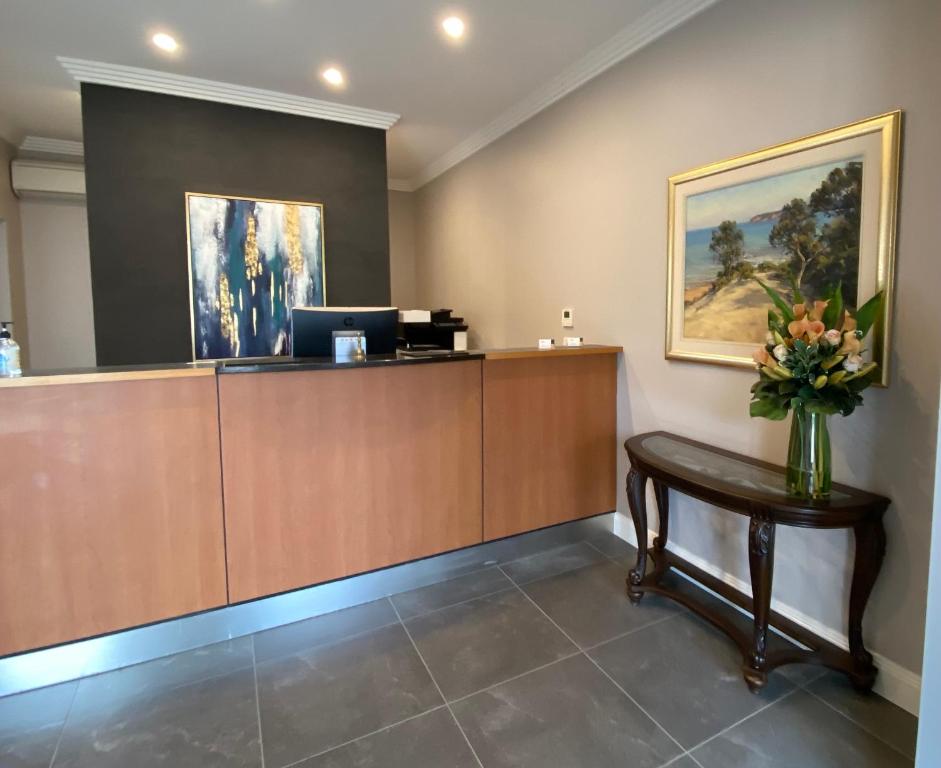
332, 473
110, 507
550, 437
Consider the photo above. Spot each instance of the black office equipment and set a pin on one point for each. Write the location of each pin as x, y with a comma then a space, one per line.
312, 329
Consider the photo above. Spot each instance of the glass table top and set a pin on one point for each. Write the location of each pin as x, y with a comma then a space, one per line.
723, 468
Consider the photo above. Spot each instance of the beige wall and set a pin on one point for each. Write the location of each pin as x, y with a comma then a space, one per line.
570, 210
10, 215
58, 284
402, 248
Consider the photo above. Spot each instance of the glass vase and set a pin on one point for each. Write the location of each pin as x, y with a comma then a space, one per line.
808, 455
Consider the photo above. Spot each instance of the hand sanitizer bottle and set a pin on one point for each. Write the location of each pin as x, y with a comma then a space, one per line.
9, 354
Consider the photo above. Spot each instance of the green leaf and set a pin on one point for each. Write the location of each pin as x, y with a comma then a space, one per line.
783, 307
767, 409
831, 315
868, 313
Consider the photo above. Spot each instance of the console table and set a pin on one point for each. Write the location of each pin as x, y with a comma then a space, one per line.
755, 489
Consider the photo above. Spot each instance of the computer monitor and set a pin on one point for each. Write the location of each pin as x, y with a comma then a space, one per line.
312, 328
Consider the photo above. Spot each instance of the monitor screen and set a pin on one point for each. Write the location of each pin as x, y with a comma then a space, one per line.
312, 328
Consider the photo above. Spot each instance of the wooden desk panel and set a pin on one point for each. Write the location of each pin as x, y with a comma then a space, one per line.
331, 473
110, 507
550, 441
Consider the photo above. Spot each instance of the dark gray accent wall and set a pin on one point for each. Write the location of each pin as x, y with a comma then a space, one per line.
144, 151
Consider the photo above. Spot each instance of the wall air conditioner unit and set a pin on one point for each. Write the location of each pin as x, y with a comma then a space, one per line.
47, 180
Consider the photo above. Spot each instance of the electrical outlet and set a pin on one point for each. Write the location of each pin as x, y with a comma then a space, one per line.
568, 317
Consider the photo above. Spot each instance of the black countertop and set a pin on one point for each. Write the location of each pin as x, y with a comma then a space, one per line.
328, 363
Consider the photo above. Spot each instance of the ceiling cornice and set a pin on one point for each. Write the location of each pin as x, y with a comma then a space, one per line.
225, 93
401, 185
52, 146
664, 16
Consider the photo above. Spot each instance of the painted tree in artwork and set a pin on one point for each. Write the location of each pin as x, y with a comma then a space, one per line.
795, 233
839, 199
727, 246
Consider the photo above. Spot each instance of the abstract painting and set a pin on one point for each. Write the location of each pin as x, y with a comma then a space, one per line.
250, 262
802, 217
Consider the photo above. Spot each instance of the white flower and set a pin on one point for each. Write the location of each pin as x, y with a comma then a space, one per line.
833, 337
769, 338
853, 363
780, 352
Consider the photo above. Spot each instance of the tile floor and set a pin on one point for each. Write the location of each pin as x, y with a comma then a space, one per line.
537, 662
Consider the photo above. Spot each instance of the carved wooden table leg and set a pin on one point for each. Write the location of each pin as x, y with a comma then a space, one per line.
663, 507
761, 565
636, 497
870, 551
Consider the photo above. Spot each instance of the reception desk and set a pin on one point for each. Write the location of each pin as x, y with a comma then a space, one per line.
135, 496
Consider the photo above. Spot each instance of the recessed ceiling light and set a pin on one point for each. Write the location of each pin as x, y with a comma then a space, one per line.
165, 42
453, 27
333, 76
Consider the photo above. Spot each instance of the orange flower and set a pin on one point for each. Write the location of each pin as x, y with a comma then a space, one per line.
849, 323
851, 344
811, 329
799, 311
762, 357
817, 312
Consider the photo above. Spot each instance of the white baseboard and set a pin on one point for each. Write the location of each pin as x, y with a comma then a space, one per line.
894, 682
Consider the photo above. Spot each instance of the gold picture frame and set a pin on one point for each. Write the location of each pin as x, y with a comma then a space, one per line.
703, 313
286, 295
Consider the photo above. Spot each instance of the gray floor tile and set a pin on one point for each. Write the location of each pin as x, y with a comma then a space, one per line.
130, 684
684, 762
798, 731
882, 718
591, 604
332, 694
567, 714
428, 741
30, 724
485, 641
799, 674
687, 675
615, 547
210, 723
320, 630
445, 593
550, 563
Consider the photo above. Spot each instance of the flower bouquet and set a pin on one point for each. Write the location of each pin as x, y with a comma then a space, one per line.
812, 364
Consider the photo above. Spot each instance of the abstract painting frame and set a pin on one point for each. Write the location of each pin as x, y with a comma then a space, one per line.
822, 208
250, 260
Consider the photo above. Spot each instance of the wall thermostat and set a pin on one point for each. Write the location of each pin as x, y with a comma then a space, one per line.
568, 317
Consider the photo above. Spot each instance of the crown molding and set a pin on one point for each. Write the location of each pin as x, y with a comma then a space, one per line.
52, 146
659, 20
401, 185
224, 93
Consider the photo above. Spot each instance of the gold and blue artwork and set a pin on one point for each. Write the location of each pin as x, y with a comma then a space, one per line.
250, 262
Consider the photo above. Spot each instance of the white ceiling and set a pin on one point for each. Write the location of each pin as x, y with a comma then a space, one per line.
517, 57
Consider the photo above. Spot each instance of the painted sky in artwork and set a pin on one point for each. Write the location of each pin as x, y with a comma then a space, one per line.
742, 201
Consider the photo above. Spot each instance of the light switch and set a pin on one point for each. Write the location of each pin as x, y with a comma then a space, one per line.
568, 317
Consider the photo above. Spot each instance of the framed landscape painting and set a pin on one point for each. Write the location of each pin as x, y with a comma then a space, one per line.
250, 262
813, 213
